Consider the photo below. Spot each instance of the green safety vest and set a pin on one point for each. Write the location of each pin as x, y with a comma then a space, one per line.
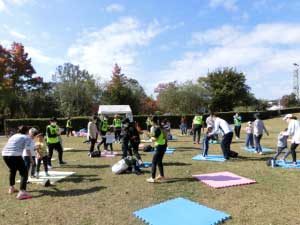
198, 120
69, 124
53, 130
117, 123
237, 120
161, 140
104, 125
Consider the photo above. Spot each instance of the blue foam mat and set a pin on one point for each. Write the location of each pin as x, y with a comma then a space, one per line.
287, 164
146, 164
216, 158
168, 151
253, 149
180, 211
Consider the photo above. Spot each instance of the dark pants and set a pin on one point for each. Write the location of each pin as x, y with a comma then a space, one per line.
118, 134
58, 148
279, 150
249, 140
16, 163
183, 128
148, 128
292, 151
45, 163
124, 149
197, 131
68, 131
93, 142
205, 145
257, 142
225, 144
103, 141
110, 145
157, 160
134, 147
237, 131
28, 164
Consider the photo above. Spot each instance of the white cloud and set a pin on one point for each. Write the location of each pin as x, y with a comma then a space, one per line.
2, 6
265, 54
229, 5
19, 2
17, 35
118, 42
114, 8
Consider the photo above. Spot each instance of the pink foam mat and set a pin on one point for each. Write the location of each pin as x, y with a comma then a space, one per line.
223, 179
108, 154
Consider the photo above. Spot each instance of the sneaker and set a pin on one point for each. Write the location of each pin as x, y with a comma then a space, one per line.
62, 163
50, 167
37, 175
140, 162
47, 174
256, 152
294, 163
150, 180
160, 178
261, 153
283, 160
12, 190
22, 195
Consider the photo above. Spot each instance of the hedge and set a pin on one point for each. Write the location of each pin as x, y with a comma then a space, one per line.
78, 123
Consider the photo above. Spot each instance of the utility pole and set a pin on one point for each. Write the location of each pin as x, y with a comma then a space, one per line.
296, 81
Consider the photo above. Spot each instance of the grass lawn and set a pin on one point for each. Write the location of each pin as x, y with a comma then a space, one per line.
95, 196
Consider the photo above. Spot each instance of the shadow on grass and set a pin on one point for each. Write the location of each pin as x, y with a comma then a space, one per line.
181, 179
77, 150
55, 192
176, 164
76, 178
245, 158
87, 166
187, 149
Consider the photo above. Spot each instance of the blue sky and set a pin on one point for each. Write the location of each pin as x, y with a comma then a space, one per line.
159, 41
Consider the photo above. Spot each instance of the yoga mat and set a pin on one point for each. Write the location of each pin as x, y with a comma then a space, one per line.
253, 149
146, 164
215, 158
108, 154
223, 179
168, 151
68, 149
287, 164
180, 211
54, 176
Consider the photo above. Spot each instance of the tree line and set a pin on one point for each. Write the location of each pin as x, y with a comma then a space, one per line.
75, 92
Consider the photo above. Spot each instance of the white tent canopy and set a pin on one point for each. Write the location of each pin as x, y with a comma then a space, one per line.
116, 109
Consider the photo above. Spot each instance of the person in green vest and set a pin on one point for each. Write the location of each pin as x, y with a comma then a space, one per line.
103, 128
117, 123
196, 127
237, 119
149, 123
69, 127
53, 142
160, 139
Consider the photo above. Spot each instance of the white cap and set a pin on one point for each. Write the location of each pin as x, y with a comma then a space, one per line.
33, 131
287, 116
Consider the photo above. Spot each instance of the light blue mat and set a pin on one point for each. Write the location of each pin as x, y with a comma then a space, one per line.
168, 151
287, 164
216, 158
253, 149
180, 211
146, 164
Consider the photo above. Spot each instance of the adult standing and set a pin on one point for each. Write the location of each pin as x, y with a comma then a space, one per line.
294, 131
27, 157
92, 133
259, 128
69, 127
220, 125
149, 123
135, 141
196, 126
237, 119
53, 142
117, 123
125, 138
103, 129
159, 136
12, 156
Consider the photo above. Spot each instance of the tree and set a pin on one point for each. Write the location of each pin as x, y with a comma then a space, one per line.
227, 89
76, 90
182, 98
121, 90
289, 100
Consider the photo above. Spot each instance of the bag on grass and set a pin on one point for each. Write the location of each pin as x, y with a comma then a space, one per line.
119, 167
148, 148
96, 154
233, 154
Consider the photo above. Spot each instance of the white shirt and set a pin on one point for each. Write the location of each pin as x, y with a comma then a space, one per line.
31, 147
110, 138
259, 127
294, 131
92, 130
221, 125
16, 144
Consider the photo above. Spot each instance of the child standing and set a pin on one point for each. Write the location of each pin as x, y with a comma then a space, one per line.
249, 135
281, 144
41, 154
205, 144
110, 138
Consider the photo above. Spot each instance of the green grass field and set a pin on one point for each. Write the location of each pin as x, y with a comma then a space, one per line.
95, 196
